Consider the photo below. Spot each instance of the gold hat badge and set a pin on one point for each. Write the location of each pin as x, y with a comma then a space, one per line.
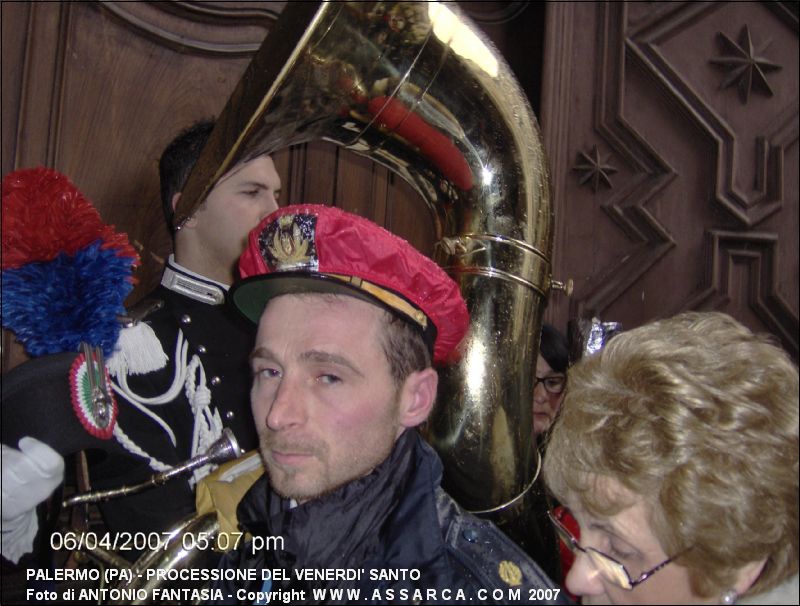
288, 243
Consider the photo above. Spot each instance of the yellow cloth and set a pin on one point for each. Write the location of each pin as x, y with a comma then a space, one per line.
222, 490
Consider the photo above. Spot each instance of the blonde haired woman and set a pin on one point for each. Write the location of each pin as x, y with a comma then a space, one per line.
676, 450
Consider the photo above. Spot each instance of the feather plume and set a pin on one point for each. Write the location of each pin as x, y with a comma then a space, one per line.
54, 306
65, 273
45, 215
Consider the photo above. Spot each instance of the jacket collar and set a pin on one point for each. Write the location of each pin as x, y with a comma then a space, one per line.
386, 518
190, 284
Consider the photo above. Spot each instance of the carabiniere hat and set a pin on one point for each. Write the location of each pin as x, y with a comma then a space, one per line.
315, 248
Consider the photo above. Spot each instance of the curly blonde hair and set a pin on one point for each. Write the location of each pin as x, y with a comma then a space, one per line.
699, 417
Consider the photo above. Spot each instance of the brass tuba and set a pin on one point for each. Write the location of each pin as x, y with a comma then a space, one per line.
416, 87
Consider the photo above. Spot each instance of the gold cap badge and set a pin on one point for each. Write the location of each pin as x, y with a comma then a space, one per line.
288, 243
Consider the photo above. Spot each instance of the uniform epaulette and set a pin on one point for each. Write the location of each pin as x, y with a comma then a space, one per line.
138, 350
495, 560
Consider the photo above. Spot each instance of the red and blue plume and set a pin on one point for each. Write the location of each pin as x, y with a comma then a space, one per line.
65, 273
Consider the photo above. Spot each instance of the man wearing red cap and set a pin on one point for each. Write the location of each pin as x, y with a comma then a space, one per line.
350, 318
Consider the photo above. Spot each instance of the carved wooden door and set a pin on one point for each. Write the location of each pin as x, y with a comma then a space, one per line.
672, 133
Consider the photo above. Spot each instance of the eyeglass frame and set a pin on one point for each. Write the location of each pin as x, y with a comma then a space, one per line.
572, 543
537, 380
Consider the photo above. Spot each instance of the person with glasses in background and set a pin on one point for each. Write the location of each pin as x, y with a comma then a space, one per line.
676, 449
549, 382
550, 379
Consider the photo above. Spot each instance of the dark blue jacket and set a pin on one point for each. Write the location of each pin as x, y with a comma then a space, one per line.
425, 549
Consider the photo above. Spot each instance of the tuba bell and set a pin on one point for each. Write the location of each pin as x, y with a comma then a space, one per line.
416, 87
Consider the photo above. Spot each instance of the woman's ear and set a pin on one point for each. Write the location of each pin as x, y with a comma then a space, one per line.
417, 397
747, 575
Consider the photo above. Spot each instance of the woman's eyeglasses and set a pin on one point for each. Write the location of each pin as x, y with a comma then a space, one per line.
612, 570
553, 384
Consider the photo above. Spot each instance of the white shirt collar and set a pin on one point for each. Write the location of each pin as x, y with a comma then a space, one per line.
188, 283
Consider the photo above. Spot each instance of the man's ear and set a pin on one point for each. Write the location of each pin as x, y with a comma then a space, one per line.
417, 397
191, 221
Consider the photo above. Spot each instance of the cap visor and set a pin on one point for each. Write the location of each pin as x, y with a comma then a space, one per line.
250, 296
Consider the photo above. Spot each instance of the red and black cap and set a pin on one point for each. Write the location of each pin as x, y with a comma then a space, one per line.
315, 248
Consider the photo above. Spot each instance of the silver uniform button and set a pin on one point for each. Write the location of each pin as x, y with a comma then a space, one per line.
186, 319
470, 534
229, 415
216, 380
201, 348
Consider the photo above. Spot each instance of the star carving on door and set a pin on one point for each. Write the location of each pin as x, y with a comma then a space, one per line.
745, 65
592, 170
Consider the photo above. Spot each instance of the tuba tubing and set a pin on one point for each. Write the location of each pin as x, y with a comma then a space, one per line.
417, 87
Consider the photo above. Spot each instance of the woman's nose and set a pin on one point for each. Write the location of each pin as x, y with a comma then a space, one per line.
583, 578
540, 394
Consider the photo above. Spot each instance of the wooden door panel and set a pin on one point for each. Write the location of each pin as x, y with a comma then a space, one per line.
675, 182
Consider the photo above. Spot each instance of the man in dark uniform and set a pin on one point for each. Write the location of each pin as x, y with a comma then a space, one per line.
180, 375
350, 319
199, 378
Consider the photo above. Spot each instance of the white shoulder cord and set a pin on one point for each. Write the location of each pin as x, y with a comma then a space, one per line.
181, 352
164, 425
207, 421
121, 387
139, 402
133, 448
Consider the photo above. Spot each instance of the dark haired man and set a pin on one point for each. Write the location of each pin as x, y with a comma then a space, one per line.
350, 319
180, 375
201, 387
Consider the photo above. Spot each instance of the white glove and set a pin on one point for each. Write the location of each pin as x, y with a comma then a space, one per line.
29, 476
